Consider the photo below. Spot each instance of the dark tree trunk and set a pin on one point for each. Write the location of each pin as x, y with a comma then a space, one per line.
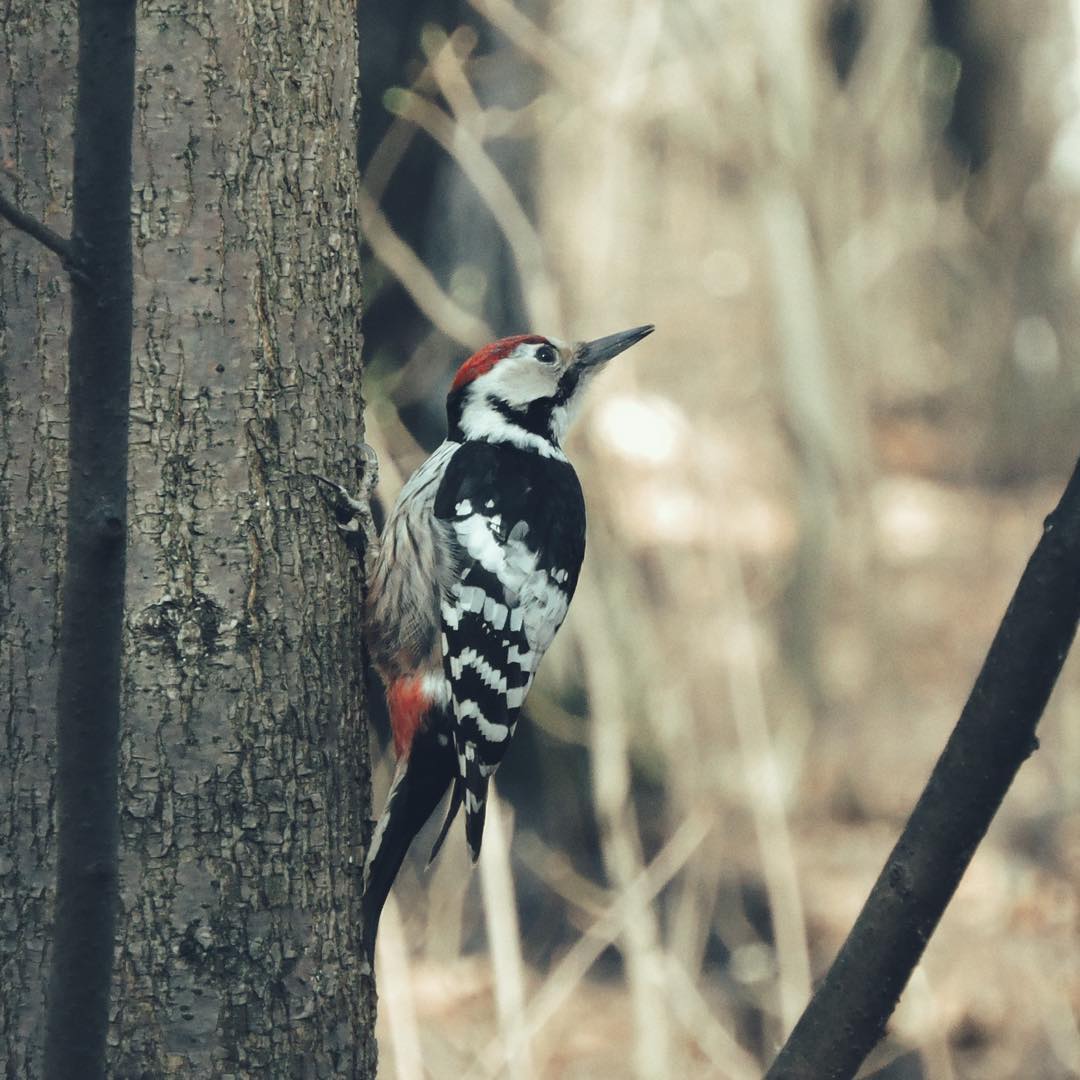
91, 627
243, 779
994, 736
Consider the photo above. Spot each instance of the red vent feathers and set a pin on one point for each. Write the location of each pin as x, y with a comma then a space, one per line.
408, 704
480, 363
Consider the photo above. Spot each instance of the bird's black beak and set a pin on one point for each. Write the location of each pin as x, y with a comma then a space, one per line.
592, 354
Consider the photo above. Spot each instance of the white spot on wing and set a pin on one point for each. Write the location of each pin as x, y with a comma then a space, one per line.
495, 613
524, 659
470, 598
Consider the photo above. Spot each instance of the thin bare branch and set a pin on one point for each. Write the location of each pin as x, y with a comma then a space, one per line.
27, 223
391, 149
452, 319
504, 937
620, 839
575, 964
693, 1012
993, 737
767, 805
449, 73
497, 194
396, 995
535, 44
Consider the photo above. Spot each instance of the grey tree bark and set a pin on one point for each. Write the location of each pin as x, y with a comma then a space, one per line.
244, 773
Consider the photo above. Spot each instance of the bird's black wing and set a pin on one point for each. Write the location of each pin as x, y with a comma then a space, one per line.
518, 520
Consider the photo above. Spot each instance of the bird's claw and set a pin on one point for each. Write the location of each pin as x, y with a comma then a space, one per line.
352, 513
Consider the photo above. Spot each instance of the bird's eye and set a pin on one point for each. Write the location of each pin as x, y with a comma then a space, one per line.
546, 354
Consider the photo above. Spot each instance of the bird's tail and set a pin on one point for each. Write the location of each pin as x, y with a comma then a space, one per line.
421, 781
476, 790
451, 813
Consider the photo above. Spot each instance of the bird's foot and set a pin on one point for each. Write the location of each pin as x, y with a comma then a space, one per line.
352, 513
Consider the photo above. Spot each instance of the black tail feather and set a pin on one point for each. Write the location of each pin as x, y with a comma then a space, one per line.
456, 797
420, 784
476, 786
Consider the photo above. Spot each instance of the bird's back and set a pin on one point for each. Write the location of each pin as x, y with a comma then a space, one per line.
410, 573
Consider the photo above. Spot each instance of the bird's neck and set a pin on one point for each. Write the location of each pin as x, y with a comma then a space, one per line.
537, 428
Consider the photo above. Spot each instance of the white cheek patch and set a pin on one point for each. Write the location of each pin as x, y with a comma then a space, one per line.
519, 379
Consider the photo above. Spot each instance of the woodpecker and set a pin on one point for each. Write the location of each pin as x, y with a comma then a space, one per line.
476, 568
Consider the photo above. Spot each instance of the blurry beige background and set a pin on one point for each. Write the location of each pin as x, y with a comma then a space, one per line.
811, 493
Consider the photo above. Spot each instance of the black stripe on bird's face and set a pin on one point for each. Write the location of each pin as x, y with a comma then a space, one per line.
535, 417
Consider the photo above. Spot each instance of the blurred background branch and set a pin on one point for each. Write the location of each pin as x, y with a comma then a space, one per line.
856, 227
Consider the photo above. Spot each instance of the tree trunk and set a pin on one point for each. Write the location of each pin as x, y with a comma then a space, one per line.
244, 774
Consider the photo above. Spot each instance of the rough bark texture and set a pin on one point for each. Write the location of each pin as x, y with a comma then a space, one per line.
36, 100
244, 777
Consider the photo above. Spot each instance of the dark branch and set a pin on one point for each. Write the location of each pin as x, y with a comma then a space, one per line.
30, 225
91, 628
995, 734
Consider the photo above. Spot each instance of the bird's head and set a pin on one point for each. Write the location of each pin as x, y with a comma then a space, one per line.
525, 389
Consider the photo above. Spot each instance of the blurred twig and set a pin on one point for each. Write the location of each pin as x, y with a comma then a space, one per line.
574, 966
619, 838
454, 321
447, 68
537, 45
445, 54
693, 1012
386, 157
448, 889
467, 150
504, 938
809, 409
767, 806
557, 872
395, 995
